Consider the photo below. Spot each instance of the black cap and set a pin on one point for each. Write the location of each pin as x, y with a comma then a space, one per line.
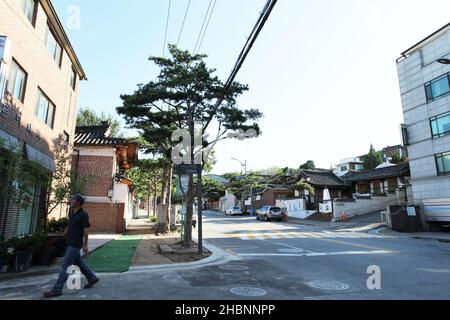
78, 198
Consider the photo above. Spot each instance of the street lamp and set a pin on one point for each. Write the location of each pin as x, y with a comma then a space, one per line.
443, 61
244, 165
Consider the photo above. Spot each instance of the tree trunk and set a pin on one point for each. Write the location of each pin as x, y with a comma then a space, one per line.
155, 202
189, 213
169, 197
148, 206
161, 220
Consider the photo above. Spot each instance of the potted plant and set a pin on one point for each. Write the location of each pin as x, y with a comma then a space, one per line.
6, 255
54, 230
24, 248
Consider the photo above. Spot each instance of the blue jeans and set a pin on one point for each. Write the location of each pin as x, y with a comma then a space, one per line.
71, 258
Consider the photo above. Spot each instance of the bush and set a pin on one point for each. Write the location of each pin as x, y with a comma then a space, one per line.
27, 244
6, 251
57, 226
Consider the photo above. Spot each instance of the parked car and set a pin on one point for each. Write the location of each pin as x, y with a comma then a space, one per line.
269, 213
234, 211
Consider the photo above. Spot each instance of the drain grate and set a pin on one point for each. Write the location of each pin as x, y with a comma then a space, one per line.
234, 267
329, 285
249, 292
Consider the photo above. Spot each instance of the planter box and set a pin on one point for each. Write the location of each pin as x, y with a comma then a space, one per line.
4, 265
42, 256
22, 261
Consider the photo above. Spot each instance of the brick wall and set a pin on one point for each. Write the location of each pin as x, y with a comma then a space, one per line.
99, 171
29, 50
106, 217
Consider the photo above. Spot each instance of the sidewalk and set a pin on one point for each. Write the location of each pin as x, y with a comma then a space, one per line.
96, 241
437, 236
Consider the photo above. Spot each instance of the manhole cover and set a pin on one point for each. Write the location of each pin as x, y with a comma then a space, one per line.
234, 267
329, 285
248, 292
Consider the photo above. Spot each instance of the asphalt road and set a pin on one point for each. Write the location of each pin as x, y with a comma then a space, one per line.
281, 261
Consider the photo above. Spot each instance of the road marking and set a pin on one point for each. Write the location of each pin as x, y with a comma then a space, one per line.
316, 254
275, 235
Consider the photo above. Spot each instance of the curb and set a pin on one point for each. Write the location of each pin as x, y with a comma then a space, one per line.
217, 257
378, 231
30, 274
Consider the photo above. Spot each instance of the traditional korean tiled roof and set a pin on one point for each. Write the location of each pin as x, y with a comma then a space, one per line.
96, 136
322, 178
381, 173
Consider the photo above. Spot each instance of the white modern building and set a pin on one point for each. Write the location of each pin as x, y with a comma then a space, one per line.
425, 91
347, 165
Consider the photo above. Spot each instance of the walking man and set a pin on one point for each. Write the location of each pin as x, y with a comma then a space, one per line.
77, 235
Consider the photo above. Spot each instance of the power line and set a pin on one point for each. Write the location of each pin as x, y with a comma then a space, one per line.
270, 4
184, 21
207, 25
167, 27
203, 25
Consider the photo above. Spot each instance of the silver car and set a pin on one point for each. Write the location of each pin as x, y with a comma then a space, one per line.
269, 213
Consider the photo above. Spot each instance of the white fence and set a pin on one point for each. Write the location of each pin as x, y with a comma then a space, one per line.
359, 207
295, 208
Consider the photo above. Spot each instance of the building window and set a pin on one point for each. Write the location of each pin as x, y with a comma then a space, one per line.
438, 87
17, 81
73, 79
443, 164
29, 8
53, 46
440, 125
344, 168
45, 109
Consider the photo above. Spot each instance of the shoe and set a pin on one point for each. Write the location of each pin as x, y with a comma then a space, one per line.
52, 294
90, 285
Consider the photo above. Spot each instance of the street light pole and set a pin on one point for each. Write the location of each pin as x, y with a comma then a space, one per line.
243, 165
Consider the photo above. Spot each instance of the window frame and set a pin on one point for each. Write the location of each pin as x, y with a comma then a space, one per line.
50, 102
429, 88
8, 82
34, 11
51, 32
436, 118
438, 157
73, 78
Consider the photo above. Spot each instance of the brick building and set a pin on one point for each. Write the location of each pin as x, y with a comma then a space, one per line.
39, 87
103, 161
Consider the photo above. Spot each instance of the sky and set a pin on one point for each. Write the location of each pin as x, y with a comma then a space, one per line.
323, 72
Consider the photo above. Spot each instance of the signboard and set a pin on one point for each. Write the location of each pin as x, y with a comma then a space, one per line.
187, 169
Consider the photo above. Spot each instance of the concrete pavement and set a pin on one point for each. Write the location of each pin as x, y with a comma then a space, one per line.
280, 261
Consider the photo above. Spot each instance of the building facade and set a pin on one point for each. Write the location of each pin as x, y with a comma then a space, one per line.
425, 91
102, 162
39, 82
347, 165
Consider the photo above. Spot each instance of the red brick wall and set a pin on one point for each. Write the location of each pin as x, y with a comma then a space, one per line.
98, 170
105, 217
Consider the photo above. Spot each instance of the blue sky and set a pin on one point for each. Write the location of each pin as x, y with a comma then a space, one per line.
323, 71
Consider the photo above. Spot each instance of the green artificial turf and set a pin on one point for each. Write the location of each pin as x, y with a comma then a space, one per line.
115, 256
